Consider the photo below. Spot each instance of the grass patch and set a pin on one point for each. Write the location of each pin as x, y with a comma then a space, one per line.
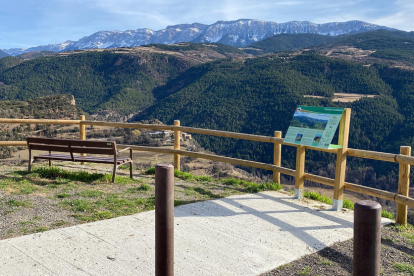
231, 181
40, 229
407, 268
406, 232
27, 222
60, 223
63, 195
107, 206
58, 173
184, 175
79, 205
386, 214
204, 178
316, 196
126, 167
252, 187
17, 203
91, 193
150, 170
143, 188
322, 198
305, 271
26, 190
324, 261
348, 204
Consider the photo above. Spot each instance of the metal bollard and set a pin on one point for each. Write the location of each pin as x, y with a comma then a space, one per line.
367, 238
164, 220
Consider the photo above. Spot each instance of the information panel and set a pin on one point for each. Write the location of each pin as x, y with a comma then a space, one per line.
314, 126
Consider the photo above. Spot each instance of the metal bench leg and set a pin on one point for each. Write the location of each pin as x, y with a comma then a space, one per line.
130, 163
114, 173
29, 169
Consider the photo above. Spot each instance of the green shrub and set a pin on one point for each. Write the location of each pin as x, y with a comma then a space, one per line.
386, 214
348, 204
231, 181
315, 196
150, 170
184, 175
204, 178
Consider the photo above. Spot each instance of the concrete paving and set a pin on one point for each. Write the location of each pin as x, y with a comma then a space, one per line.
239, 235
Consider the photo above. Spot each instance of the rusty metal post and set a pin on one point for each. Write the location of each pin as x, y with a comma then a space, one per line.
164, 220
367, 238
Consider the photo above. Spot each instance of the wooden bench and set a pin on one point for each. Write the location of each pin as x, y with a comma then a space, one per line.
72, 146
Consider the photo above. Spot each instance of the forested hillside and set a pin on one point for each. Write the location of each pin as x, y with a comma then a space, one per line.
287, 42
383, 44
259, 96
121, 80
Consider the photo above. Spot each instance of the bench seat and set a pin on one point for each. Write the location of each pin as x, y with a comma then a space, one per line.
80, 158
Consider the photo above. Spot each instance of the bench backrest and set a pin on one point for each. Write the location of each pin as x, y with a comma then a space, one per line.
71, 145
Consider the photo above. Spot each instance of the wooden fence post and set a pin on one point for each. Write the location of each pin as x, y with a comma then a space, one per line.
300, 172
277, 157
341, 154
403, 187
177, 134
82, 132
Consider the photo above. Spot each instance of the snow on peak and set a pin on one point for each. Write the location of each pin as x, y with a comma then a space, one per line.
235, 33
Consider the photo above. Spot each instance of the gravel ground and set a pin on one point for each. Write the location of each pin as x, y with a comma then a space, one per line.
397, 248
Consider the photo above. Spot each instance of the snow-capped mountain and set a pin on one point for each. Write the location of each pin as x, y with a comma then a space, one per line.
235, 33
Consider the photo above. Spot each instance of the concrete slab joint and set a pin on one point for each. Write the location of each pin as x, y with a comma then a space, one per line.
337, 204
298, 193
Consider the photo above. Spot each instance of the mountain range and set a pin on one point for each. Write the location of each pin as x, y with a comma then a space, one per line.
238, 33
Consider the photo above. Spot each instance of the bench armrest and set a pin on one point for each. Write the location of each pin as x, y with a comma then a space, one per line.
119, 151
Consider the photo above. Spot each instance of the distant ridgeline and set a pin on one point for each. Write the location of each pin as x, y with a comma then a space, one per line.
221, 87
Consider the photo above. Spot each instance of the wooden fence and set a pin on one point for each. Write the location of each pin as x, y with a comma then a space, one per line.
404, 158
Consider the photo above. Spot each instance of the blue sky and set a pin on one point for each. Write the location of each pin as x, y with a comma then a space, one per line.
27, 23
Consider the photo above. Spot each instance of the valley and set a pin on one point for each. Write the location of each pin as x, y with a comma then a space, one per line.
251, 89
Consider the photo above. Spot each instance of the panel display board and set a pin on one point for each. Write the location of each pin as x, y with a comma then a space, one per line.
314, 126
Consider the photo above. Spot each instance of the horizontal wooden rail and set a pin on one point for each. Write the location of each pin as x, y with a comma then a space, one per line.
12, 143
380, 193
381, 156
126, 125
244, 136
389, 157
319, 179
363, 190
251, 137
215, 158
39, 121
405, 159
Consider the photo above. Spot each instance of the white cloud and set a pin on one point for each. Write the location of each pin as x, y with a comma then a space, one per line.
400, 20
28, 22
